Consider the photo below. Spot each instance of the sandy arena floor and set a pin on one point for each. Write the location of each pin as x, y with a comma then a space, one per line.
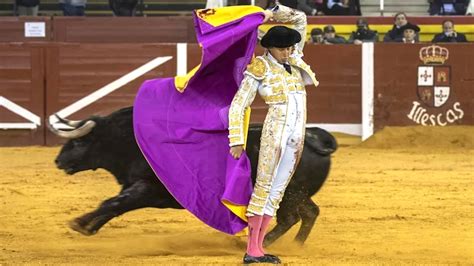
392, 200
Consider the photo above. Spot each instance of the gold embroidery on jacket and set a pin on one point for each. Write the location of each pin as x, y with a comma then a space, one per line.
242, 99
257, 68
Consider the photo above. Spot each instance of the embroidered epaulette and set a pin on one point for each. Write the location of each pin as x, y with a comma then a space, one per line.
257, 68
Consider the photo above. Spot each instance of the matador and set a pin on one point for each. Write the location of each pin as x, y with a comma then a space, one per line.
279, 77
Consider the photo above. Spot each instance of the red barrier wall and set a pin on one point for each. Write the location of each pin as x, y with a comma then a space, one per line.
157, 29
77, 70
45, 78
12, 29
123, 29
406, 95
22, 76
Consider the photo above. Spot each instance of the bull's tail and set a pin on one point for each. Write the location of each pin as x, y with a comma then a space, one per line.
321, 141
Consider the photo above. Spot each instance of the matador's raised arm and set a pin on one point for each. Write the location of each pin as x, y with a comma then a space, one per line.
285, 14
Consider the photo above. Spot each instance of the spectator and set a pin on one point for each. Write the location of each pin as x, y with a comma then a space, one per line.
343, 7
125, 8
448, 7
265, 4
73, 7
62, 4
460, 6
311, 7
27, 7
449, 34
363, 33
435, 7
289, 3
396, 33
470, 8
316, 36
330, 36
410, 32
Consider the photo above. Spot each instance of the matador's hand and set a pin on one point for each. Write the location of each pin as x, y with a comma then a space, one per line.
268, 15
236, 151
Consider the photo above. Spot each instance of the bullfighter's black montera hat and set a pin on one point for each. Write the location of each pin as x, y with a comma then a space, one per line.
280, 37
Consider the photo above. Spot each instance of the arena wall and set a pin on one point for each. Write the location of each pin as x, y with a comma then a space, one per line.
76, 78
124, 29
12, 29
22, 94
410, 90
181, 28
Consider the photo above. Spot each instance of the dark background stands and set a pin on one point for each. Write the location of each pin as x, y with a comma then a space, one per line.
123, 7
27, 7
343, 7
448, 7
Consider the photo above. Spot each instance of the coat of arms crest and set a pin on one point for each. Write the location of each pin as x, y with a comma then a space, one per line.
434, 78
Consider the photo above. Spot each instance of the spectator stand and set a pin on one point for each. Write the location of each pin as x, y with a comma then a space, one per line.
389, 8
102, 8
429, 25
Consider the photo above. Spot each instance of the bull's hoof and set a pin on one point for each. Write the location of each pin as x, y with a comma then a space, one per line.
76, 226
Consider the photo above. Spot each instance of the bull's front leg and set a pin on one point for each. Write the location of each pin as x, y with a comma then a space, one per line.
308, 211
287, 216
139, 195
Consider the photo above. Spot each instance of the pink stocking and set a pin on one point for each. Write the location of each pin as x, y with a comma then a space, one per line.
255, 223
263, 229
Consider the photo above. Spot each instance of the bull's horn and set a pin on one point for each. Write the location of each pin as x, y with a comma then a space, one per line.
71, 123
76, 133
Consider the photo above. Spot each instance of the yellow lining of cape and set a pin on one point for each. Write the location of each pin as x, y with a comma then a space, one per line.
220, 16
240, 211
180, 82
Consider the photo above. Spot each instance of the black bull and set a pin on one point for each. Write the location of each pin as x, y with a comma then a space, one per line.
109, 143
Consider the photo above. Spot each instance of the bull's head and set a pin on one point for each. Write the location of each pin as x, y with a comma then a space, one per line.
78, 153
98, 142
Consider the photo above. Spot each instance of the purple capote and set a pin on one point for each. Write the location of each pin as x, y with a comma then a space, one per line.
184, 136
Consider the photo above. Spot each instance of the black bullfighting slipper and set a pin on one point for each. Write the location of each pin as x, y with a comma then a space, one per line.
273, 257
263, 259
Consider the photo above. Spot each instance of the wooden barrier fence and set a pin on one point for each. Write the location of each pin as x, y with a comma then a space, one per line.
363, 88
181, 28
